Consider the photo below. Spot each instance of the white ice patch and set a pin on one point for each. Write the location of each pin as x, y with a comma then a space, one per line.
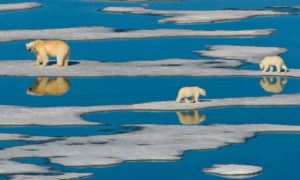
104, 33
20, 137
18, 115
51, 177
12, 167
252, 54
134, 68
85, 68
234, 170
19, 6
150, 143
191, 17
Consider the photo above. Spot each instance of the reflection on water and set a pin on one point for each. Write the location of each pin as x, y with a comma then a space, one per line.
44, 86
269, 85
190, 117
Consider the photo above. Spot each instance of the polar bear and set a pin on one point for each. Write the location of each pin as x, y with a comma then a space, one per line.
190, 118
190, 92
51, 87
54, 48
271, 62
269, 85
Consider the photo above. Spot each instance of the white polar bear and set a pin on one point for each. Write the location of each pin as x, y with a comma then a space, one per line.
271, 62
190, 92
44, 49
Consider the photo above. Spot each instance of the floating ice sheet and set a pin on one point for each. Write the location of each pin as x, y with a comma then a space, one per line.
12, 167
85, 68
252, 54
51, 177
234, 170
19, 6
190, 17
20, 137
103, 33
149, 143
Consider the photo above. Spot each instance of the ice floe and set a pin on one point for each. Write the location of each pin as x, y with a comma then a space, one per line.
252, 54
234, 170
103, 33
85, 68
18, 115
148, 143
51, 177
194, 16
20, 137
134, 68
12, 167
59, 116
19, 6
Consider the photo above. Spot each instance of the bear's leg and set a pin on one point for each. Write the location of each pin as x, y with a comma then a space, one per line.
66, 63
271, 68
38, 60
60, 61
192, 99
266, 68
45, 60
66, 60
278, 68
196, 97
284, 68
178, 99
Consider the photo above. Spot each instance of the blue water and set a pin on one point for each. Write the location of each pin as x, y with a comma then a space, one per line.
107, 91
277, 154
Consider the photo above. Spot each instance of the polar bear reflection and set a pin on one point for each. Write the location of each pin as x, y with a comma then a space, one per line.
190, 117
269, 85
52, 87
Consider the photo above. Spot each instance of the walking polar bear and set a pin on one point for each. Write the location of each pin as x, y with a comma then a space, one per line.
52, 48
270, 62
190, 92
51, 87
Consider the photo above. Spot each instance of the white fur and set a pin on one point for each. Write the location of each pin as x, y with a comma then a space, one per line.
269, 62
190, 92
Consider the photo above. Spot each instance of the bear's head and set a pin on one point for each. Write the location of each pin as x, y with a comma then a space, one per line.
261, 66
202, 91
31, 45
